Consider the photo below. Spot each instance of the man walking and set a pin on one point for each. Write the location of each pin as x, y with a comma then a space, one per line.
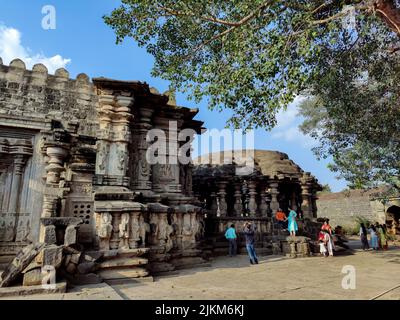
230, 235
249, 235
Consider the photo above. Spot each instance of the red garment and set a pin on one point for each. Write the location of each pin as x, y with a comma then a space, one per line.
327, 227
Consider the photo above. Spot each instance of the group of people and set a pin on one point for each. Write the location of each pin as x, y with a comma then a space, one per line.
326, 241
249, 233
378, 235
289, 223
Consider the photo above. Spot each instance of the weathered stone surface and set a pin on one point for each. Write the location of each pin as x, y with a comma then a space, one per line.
33, 277
71, 268
20, 262
50, 234
31, 290
123, 273
75, 258
86, 267
159, 267
82, 279
52, 256
123, 262
70, 235
61, 221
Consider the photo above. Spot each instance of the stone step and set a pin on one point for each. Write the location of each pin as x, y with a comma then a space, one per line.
119, 253
122, 262
123, 273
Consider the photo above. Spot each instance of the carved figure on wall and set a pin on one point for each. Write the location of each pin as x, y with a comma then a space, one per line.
9, 234
121, 159
188, 231
135, 231
144, 166
124, 231
144, 228
105, 230
101, 155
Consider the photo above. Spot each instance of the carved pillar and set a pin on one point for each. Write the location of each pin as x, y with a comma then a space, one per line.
140, 166
19, 163
134, 230
238, 206
314, 199
274, 197
214, 204
263, 202
306, 205
222, 198
56, 152
114, 137
166, 172
114, 241
252, 199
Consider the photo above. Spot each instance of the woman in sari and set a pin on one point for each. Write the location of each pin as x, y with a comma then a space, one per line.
383, 237
292, 224
374, 237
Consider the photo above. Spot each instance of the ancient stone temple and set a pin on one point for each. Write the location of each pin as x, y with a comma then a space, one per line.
79, 193
73, 172
252, 189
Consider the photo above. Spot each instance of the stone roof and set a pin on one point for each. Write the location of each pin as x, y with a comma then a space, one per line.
273, 164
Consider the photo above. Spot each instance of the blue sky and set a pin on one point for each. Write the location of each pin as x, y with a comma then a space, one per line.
83, 43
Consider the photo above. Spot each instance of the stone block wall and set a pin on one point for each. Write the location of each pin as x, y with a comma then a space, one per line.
34, 93
342, 208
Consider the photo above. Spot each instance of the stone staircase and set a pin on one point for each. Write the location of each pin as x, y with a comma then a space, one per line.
123, 265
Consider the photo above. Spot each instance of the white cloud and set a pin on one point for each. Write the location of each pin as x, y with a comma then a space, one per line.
287, 128
11, 48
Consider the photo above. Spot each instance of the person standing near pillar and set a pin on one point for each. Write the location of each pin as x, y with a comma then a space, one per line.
230, 235
249, 234
292, 223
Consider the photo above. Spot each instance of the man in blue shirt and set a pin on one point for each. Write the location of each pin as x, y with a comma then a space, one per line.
230, 234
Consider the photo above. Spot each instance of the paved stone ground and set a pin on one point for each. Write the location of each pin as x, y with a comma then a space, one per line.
275, 277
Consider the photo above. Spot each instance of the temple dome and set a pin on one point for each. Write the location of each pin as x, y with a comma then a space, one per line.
268, 163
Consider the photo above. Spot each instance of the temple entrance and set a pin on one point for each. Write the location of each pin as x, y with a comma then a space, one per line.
393, 219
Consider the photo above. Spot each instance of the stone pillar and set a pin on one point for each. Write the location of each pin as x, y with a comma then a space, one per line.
114, 241
165, 175
134, 230
19, 163
274, 197
306, 205
56, 152
140, 166
114, 138
263, 203
314, 199
214, 204
252, 200
222, 198
238, 206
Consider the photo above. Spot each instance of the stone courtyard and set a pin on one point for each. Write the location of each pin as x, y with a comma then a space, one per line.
276, 277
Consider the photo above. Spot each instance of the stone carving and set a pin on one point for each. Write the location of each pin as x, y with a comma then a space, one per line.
134, 237
190, 229
105, 230
124, 231
177, 225
144, 228
20, 262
